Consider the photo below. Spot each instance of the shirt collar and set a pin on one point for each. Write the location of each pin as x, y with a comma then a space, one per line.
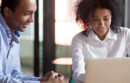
5, 26
110, 35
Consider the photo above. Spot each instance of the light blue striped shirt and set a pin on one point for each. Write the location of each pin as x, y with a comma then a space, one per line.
10, 70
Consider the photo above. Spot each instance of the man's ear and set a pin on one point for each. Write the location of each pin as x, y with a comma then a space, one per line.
7, 12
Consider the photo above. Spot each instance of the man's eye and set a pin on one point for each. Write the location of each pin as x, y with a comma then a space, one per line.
27, 13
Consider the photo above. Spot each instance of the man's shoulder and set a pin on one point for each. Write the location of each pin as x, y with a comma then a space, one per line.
0, 33
1, 29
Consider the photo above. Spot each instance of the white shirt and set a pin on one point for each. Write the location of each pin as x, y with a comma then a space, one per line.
84, 47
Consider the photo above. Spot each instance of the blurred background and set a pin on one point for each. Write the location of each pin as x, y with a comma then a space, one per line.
49, 38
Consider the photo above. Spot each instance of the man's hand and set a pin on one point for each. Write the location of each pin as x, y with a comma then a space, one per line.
52, 77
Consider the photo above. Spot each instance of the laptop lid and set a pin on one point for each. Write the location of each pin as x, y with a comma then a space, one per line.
111, 70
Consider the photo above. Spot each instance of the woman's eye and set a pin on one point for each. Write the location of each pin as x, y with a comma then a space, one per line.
106, 19
95, 19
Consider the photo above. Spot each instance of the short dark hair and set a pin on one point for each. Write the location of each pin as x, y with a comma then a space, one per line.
11, 4
86, 8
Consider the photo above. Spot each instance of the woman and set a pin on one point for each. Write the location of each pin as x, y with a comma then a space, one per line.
103, 36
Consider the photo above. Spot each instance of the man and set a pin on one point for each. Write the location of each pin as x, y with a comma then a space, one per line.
15, 16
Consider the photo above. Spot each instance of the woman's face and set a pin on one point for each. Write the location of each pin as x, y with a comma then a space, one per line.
101, 22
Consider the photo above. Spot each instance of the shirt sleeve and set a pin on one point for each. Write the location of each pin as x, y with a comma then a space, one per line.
78, 66
17, 79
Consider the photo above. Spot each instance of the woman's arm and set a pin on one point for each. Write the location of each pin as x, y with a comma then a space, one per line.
78, 66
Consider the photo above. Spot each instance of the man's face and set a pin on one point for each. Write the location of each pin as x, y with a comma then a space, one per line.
22, 16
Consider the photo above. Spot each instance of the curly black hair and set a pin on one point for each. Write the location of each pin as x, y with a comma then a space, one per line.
11, 4
86, 8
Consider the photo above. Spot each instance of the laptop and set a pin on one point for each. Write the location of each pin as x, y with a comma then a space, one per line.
109, 70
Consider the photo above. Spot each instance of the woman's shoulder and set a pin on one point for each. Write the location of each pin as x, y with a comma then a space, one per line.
124, 29
80, 36
124, 32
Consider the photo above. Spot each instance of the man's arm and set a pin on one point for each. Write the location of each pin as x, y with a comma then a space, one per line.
52, 77
11, 79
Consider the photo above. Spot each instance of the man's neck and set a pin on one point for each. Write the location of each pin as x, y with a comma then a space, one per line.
11, 30
10, 27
